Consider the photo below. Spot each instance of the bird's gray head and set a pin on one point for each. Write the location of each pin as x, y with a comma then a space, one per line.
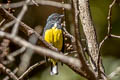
55, 17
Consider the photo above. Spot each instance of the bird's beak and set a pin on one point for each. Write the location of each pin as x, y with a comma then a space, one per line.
61, 16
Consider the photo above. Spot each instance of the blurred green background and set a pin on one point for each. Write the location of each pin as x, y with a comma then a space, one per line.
110, 50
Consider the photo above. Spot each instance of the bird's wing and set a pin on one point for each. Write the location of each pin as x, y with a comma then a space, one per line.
49, 25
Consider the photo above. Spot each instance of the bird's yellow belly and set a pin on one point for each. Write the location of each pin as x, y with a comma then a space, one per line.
55, 37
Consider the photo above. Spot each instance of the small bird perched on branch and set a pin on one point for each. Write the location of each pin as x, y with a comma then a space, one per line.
53, 34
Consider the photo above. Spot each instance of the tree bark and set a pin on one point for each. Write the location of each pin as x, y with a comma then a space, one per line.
91, 38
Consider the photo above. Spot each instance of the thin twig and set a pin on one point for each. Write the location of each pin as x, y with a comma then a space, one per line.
109, 23
69, 35
101, 43
68, 53
2, 22
7, 25
115, 36
31, 68
109, 29
109, 16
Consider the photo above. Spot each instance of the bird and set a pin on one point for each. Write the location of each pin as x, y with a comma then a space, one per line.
53, 34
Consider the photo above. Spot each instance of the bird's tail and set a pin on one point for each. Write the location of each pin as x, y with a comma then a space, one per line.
54, 67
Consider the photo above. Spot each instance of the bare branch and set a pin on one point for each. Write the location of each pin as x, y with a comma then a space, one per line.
15, 53
115, 36
8, 72
109, 17
41, 2
2, 22
67, 53
31, 68
24, 9
101, 43
7, 25
69, 35
14, 71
